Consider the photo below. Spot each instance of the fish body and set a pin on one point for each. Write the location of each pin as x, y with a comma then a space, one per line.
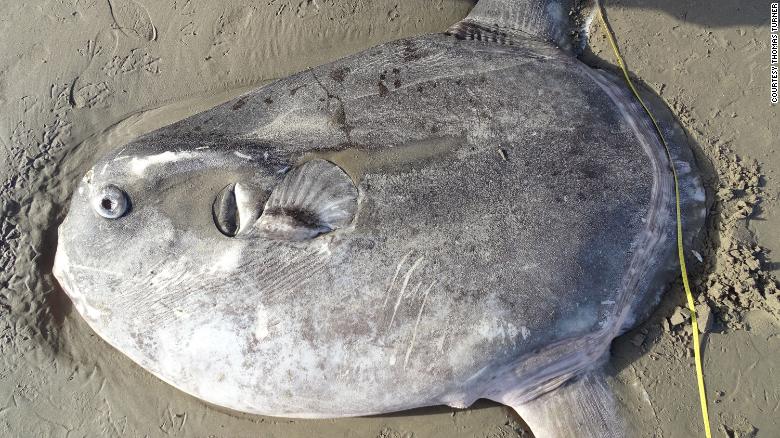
430, 221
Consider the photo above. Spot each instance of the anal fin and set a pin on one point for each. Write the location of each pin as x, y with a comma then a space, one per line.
583, 407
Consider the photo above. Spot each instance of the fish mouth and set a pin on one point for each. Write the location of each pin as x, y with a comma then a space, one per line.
236, 207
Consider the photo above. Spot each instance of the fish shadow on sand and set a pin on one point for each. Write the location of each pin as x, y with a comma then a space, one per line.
57, 301
438, 410
520, 425
56, 306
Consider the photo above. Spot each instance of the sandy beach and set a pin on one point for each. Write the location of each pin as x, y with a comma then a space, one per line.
78, 77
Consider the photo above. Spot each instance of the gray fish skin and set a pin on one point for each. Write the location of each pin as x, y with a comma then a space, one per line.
513, 210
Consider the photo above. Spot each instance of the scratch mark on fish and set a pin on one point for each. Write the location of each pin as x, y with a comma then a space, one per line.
395, 276
417, 324
403, 289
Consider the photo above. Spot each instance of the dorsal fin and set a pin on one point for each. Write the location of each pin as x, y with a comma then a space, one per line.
507, 21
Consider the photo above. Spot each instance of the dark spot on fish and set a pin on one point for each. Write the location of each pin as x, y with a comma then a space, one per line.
397, 83
411, 53
295, 90
383, 75
382, 89
339, 74
458, 82
268, 100
420, 88
589, 171
434, 129
363, 243
241, 102
340, 117
322, 99
396, 71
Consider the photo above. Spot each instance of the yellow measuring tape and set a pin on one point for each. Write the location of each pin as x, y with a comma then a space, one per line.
680, 252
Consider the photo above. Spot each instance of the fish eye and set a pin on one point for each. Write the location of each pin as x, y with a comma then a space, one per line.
110, 202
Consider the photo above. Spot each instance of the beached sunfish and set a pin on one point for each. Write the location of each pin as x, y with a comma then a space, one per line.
475, 214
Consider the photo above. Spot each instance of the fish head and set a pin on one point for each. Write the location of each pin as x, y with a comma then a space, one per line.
163, 216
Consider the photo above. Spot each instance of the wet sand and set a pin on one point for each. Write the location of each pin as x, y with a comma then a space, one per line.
76, 77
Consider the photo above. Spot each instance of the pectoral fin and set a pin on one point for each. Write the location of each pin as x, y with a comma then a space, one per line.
314, 198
